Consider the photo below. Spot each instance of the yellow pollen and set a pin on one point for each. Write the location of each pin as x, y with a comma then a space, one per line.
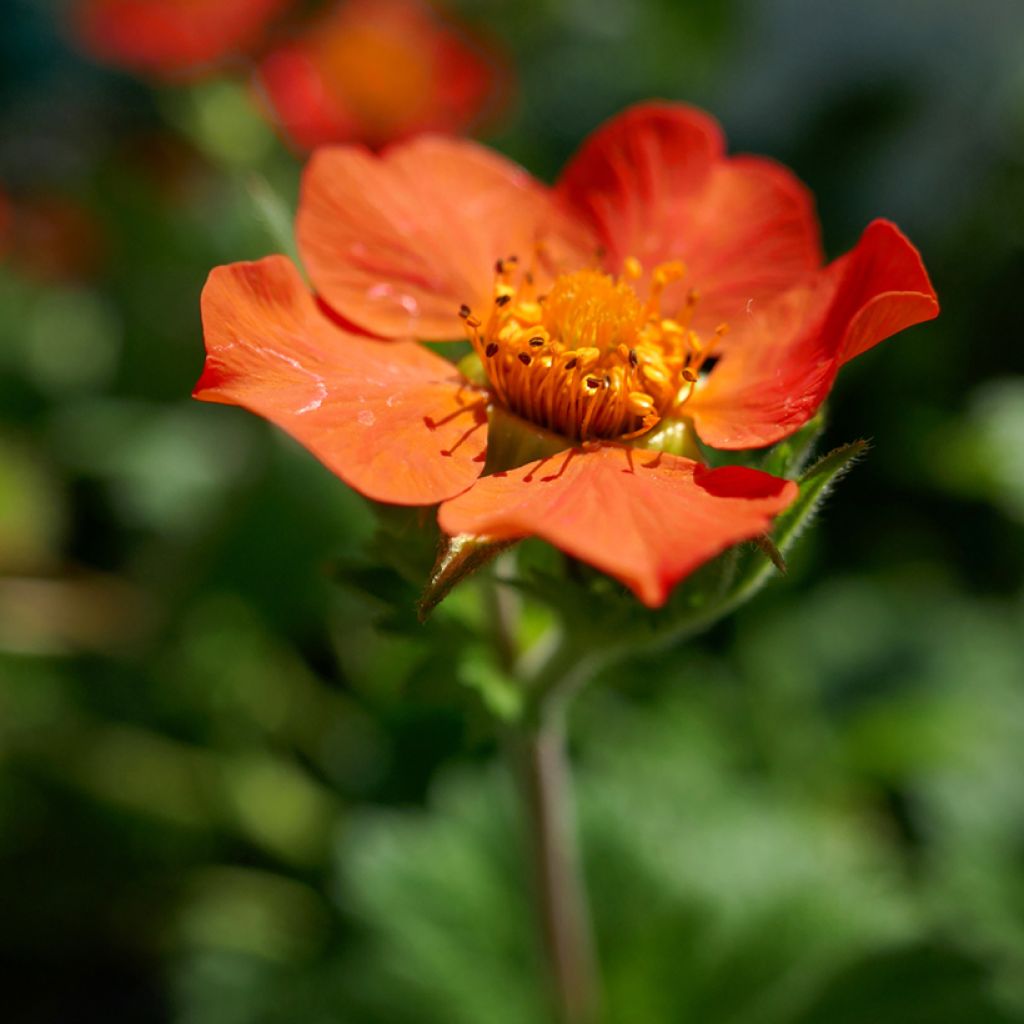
591, 358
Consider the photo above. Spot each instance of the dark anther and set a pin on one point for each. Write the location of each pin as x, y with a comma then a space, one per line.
633, 360
536, 342
464, 311
572, 362
512, 259
524, 358
593, 382
499, 267
491, 349
503, 300
528, 277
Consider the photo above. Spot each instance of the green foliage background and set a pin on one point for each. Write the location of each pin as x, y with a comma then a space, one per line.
236, 790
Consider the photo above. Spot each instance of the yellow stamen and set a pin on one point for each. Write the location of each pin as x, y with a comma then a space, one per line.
590, 358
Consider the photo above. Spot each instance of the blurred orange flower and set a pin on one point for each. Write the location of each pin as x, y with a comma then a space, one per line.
171, 38
659, 288
377, 70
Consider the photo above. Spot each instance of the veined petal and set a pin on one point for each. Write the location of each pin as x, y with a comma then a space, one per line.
393, 420
654, 184
637, 175
397, 243
646, 518
750, 235
773, 380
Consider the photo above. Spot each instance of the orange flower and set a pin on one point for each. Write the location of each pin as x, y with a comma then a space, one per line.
377, 70
170, 38
660, 288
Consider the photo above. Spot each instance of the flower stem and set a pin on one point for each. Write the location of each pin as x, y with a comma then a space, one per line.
562, 909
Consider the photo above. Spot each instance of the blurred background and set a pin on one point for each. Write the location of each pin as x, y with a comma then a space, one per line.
237, 789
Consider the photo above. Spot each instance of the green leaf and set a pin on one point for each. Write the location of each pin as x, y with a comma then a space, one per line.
499, 693
919, 984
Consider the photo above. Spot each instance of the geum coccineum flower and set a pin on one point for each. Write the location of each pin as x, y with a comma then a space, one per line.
596, 310
375, 71
170, 38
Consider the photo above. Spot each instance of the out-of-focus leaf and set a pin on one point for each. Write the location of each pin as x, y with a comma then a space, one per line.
220, 115
715, 897
914, 985
501, 695
275, 214
32, 510
72, 340
982, 452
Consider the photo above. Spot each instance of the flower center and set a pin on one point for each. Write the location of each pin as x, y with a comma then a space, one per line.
378, 70
590, 358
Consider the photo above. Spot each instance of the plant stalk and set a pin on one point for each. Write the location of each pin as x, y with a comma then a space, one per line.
561, 899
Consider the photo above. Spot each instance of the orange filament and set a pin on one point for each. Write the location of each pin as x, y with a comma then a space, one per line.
590, 359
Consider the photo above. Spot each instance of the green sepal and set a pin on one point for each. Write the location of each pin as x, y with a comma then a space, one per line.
457, 559
675, 436
605, 621
815, 484
789, 457
767, 547
473, 370
513, 441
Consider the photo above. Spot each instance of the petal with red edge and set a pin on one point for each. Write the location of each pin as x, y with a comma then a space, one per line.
773, 381
393, 420
646, 518
885, 289
397, 243
654, 184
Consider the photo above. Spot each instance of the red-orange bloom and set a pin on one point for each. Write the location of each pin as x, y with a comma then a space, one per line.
168, 38
593, 307
375, 71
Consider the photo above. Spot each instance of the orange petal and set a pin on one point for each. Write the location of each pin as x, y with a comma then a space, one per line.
774, 378
646, 518
654, 184
393, 420
751, 234
397, 243
637, 176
